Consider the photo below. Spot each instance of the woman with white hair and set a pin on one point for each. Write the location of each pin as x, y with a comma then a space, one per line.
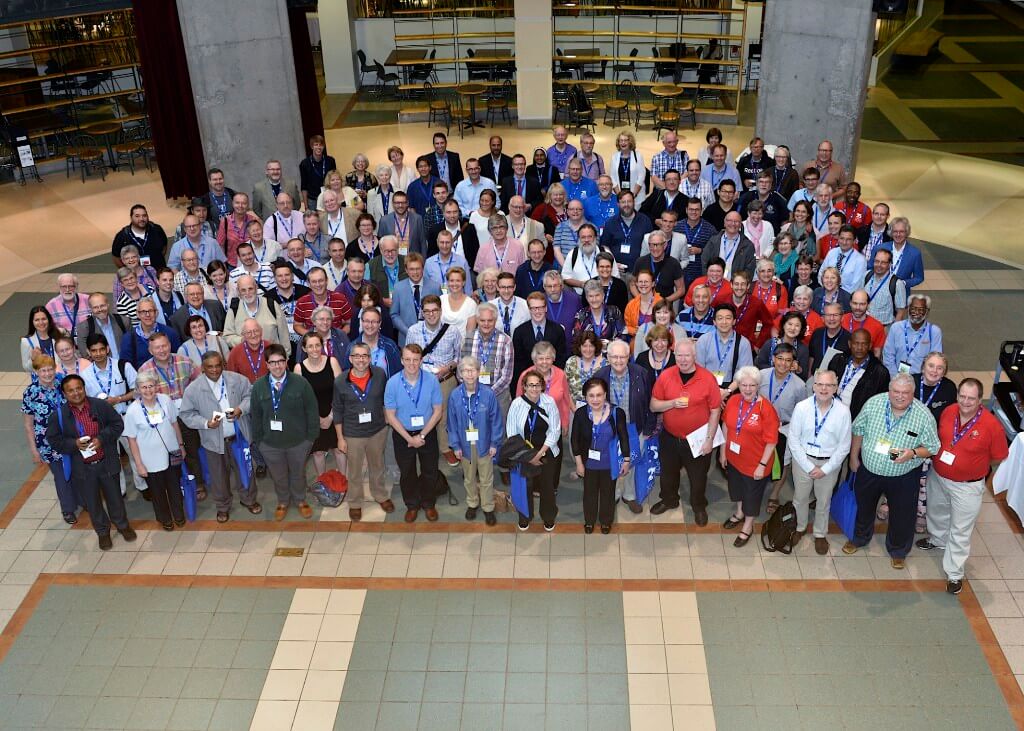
360, 179
378, 200
751, 432
130, 259
154, 438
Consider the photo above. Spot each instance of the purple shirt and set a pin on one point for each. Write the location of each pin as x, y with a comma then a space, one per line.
564, 311
561, 159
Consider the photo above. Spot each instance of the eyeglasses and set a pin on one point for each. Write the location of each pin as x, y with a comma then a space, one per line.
277, 361
430, 310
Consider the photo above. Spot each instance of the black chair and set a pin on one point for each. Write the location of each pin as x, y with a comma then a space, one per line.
476, 71
644, 110
130, 146
424, 71
560, 96
626, 68
572, 68
598, 75
364, 68
617, 109
498, 103
581, 109
661, 68
384, 78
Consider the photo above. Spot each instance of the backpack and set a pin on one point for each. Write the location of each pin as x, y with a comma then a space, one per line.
892, 286
330, 489
443, 488
777, 532
271, 305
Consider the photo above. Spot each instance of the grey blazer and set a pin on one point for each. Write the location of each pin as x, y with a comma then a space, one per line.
214, 308
743, 260
417, 232
263, 203
403, 308
199, 403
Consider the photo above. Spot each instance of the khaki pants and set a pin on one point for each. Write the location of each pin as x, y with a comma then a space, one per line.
953, 509
803, 486
478, 475
442, 432
370, 449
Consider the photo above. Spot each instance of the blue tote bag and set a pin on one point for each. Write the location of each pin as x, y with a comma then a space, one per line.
844, 506
188, 492
517, 491
243, 458
647, 468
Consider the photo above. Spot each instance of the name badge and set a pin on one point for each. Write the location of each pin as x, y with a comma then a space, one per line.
903, 367
947, 457
720, 377
365, 418
882, 446
444, 289
416, 421
101, 395
624, 249
155, 417
276, 425
734, 447
403, 250
472, 436
594, 454
145, 261
693, 258
485, 378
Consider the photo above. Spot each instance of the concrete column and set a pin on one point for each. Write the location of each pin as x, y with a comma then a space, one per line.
533, 63
243, 80
816, 60
337, 41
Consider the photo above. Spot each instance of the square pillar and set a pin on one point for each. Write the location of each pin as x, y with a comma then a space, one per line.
337, 43
816, 60
533, 63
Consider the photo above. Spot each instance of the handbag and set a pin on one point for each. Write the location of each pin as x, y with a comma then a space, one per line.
844, 506
188, 493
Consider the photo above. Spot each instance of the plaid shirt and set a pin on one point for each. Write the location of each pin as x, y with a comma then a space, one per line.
498, 357
182, 278
662, 162
172, 380
447, 350
916, 428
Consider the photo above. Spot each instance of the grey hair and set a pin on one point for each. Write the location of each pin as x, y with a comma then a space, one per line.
940, 356
592, 285
803, 289
382, 168
823, 188
488, 307
123, 272
322, 308
74, 278
904, 378
900, 219
618, 343
748, 372
659, 234
129, 249
763, 264
145, 377
496, 221
552, 276
542, 348
468, 362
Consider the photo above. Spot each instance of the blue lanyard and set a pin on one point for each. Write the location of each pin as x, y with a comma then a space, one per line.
920, 336
584, 373
825, 344
391, 272
534, 283
276, 393
467, 402
487, 349
772, 396
819, 425
716, 181
72, 316
598, 325
202, 244
408, 390
323, 166
110, 376
718, 349
889, 423
531, 420
44, 345
596, 426
849, 374
706, 320
935, 390
744, 413
818, 224
201, 312
626, 230
727, 254
221, 203
871, 295
620, 394
551, 307
259, 357
361, 395
145, 412
444, 269
196, 346
373, 242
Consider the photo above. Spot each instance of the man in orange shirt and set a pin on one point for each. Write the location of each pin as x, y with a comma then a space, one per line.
689, 398
858, 318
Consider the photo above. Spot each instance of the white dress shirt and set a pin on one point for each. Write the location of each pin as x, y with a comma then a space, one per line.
834, 435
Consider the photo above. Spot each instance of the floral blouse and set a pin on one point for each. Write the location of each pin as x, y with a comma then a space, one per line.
39, 403
609, 324
577, 376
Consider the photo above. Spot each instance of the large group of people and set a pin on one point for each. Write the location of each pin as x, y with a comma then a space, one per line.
756, 314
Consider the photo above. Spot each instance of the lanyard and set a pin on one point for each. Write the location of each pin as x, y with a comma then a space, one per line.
259, 357
626, 230
744, 413
551, 307
920, 336
706, 320
512, 228
333, 228
486, 350
336, 279
896, 258
818, 223
401, 230
959, 433
659, 368
825, 344
226, 299
361, 395
110, 376
889, 423
772, 396
373, 243
467, 402
195, 345
848, 374
531, 421
819, 425
596, 426
587, 267
871, 295
323, 166
763, 294
160, 409
620, 394
715, 181
935, 390
507, 315
727, 254
408, 390
586, 374
587, 168
221, 203
841, 260
45, 346
72, 316
167, 379
202, 244
718, 350
201, 312
692, 191
624, 170
499, 260
746, 306
598, 324
535, 283
442, 167
276, 391
444, 269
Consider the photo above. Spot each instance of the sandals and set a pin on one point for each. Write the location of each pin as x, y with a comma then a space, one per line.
732, 522
741, 539
255, 508
773, 505
222, 517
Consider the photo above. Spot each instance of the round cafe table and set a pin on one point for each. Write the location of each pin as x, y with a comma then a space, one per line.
105, 130
472, 91
668, 92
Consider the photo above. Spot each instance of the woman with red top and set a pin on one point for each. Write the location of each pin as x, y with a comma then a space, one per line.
232, 229
769, 290
829, 241
802, 297
716, 282
551, 213
751, 432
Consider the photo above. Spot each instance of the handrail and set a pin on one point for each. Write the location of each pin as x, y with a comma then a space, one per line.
69, 100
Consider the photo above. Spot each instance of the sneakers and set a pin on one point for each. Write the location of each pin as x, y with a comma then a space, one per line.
898, 563
524, 524
549, 527
450, 458
954, 586
925, 544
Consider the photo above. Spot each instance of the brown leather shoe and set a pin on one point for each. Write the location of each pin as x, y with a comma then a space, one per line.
798, 536
280, 511
431, 514
849, 548
305, 511
899, 563
410, 516
355, 514
821, 546
387, 506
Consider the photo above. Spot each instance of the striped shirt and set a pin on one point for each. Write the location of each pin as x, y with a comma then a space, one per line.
173, 379
515, 422
447, 350
915, 428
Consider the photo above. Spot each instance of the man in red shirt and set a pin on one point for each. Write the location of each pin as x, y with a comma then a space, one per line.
689, 398
858, 318
320, 296
246, 358
972, 442
750, 312
857, 214
717, 284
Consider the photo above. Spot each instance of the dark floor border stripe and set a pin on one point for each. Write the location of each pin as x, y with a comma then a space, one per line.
994, 655
24, 492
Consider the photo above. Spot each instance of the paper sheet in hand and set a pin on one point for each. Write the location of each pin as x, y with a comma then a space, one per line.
696, 439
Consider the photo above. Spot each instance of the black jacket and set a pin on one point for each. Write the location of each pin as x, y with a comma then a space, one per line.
656, 204
155, 246
468, 243
212, 210
455, 174
504, 168
641, 384
65, 440
874, 381
583, 432
214, 309
532, 193
524, 338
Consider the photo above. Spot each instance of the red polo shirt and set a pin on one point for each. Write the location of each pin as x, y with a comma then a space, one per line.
870, 324
305, 305
775, 298
242, 358
984, 443
702, 392
760, 428
723, 294
814, 322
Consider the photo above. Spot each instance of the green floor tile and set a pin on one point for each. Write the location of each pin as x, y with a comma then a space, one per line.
31, 710
264, 626
140, 653
561, 716
87, 682
354, 716
216, 653
567, 689
380, 602
152, 713
606, 659
112, 713
254, 654
778, 716
447, 687
191, 714
238, 600
524, 716
152, 625
439, 716
403, 687
603, 686
566, 604
456, 603
487, 657
484, 687
492, 603
567, 630
398, 716
70, 713
127, 682
421, 603
995, 52
604, 717
202, 599
179, 653
527, 658
409, 656
530, 604
568, 659
526, 629
449, 656
525, 688
482, 716
165, 682
228, 626
232, 715
243, 684
273, 601
204, 683
365, 685
490, 629
385, 629
369, 656
945, 85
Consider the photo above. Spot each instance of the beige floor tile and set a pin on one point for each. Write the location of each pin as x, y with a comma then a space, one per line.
562, 567
273, 715
638, 567
461, 567
259, 542
686, 659
650, 717
286, 566
674, 567
309, 601
293, 655
689, 689
301, 627
745, 567
217, 564
531, 566
315, 715
338, 628
255, 564
678, 632
648, 689
331, 656
693, 718
321, 565
323, 685
362, 544
644, 631
149, 563
391, 566
645, 658
328, 542
346, 601
641, 604
998, 604
283, 685
679, 604
709, 567
427, 566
